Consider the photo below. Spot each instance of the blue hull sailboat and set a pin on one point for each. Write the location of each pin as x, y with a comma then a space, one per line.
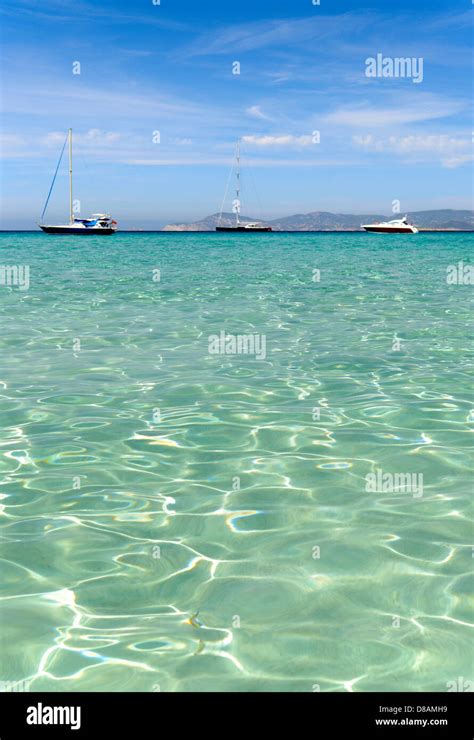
99, 224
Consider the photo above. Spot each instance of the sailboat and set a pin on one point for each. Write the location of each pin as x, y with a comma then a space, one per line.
240, 226
99, 223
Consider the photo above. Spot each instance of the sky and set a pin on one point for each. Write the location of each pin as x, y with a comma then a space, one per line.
157, 107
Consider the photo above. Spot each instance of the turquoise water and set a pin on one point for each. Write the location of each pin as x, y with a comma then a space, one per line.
145, 480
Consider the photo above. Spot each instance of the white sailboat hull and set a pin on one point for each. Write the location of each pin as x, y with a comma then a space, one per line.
74, 229
100, 223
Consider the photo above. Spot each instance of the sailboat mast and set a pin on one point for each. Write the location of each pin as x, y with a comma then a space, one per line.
71, 214
238, 184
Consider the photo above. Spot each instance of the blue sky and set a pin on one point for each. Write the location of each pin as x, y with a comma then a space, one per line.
168, 68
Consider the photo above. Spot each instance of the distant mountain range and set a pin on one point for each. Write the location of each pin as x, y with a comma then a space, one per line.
446, 219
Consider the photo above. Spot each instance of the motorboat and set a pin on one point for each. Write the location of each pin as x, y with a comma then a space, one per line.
397, 226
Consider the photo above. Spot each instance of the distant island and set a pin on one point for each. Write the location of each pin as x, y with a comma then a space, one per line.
440, 220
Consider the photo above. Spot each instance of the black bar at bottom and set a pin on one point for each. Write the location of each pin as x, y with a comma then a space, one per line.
77, 715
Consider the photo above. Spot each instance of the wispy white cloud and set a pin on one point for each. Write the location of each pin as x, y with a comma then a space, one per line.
182, 142
70, 98
256, 112
439, 143
92, 137
284, 140
278, 77
254, 162
452, 162
451, 20
449, 150
74, 10
419, 108
278, 32
11, 145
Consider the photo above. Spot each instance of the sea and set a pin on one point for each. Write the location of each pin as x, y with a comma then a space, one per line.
236, 462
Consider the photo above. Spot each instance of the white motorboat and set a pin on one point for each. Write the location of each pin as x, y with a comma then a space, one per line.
397, 226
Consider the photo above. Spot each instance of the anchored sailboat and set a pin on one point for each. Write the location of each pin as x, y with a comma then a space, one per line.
99, 223
239, 226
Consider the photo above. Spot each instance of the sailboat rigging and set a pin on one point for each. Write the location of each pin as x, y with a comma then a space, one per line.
99, 223
239, 225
